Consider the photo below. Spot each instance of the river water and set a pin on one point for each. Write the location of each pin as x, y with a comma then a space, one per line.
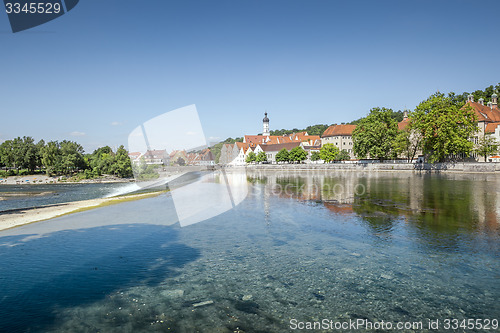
27, 196
301, 247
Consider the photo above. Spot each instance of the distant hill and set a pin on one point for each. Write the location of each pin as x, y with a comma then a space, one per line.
397, 115
311, 130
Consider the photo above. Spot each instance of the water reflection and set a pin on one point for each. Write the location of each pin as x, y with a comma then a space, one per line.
442, 211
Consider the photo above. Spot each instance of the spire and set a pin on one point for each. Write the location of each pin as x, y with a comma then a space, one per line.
494, 99
470, 98
265, 125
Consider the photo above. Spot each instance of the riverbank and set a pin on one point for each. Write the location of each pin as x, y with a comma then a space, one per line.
18, 217
44, 179
461, 167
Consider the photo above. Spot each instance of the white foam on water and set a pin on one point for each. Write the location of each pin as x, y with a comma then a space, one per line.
129, 188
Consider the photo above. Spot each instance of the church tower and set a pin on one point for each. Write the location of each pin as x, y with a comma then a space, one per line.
265, 124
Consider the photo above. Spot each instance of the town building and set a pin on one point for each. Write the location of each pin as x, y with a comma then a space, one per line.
234, 154
488, 116
156, 157
340, 136
272, 149
205, 157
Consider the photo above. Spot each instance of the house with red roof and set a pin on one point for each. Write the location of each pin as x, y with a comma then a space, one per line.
340, 136
235, 154
272, 149
488, 117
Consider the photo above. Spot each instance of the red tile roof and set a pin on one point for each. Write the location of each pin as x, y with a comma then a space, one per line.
277, 147
243, 145
335, 130
403, 123
254, 140
490, 127
484, 113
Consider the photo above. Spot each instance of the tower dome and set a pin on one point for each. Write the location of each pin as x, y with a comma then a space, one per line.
265, 125
266, 120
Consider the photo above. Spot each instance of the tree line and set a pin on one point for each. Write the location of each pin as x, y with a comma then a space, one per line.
24, 156
439, 127
328, 153
318, 129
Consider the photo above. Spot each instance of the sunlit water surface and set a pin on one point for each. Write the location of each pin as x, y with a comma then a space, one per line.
301, 246
26, 196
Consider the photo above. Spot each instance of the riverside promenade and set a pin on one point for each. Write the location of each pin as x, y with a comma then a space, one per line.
459, 167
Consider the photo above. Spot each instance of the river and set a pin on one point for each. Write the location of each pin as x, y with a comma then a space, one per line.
302, 247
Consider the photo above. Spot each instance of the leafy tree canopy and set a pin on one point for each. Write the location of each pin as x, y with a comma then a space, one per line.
261, 157
374, 135
396, 115
445, 128
318, 129
282, 156
315, 156
329, 152
297, 154
251, 157
487, 146
343, 155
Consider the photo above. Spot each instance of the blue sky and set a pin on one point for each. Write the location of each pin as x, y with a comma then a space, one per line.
99, 71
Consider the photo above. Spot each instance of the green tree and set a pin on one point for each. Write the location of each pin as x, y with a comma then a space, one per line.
282, 156
51, 157
251, 157
328, 152
7, 153
316, 129
486, 146
123, 165
17, 152
407, 143
374, 135
343, 155
40, 145
445, 128
315, 156
297, 154
396, 115
71, 157
261, 157
30, 153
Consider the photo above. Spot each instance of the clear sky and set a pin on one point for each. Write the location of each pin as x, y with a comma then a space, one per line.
96, 73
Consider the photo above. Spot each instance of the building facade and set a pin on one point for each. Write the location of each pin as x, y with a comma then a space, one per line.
340, 136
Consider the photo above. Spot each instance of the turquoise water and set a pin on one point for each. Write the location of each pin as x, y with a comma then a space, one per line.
26, 196
301, 246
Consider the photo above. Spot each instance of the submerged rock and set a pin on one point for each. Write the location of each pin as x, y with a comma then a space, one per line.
247, 306
247, 297
173, 293
203, 303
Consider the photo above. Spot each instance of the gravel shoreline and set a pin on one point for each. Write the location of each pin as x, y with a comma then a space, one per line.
18, 217
44, 179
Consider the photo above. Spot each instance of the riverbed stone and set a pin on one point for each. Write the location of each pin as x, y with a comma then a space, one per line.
172, 293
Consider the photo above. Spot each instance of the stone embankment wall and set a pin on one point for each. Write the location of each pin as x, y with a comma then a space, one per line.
464, 167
